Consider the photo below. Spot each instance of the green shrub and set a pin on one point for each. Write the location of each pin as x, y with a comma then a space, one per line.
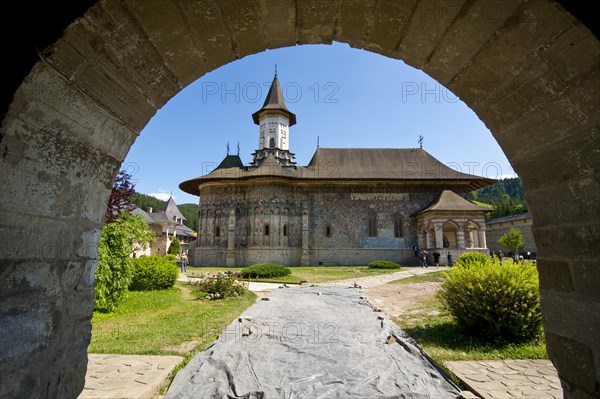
471, 258
383, 264
494, 301
265, 270
171, 258
153, 273
219, 286
174, 247
113, 274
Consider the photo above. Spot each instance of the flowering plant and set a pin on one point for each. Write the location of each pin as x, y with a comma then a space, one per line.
219, 286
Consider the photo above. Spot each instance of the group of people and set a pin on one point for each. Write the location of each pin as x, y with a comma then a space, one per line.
422, 255
516, 258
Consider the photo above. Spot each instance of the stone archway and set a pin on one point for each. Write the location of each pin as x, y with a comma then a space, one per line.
528, 69
450, 234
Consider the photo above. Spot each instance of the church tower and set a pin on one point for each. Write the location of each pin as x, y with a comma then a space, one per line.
274, 121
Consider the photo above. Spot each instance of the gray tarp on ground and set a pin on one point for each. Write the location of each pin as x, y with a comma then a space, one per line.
312, 342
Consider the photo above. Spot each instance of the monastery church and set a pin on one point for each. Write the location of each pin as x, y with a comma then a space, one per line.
348, 206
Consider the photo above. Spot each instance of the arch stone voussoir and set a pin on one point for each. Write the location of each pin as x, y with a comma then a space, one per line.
528, 69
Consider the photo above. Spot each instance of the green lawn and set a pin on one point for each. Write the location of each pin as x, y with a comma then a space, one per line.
423, 278
156, 322
435, 330
316, 274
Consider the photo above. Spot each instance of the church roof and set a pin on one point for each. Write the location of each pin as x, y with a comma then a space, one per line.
275, 101
170, 209
331, 164
231, 161
382, 163
145, 215
450, 201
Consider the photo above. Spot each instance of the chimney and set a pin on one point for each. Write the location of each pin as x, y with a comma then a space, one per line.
149, 209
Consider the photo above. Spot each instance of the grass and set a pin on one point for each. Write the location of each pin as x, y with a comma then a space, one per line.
318, 274
155, 322
435, 330
423, 278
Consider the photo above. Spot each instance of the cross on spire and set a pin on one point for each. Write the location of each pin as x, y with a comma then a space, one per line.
227, 148
275, 69
421, 141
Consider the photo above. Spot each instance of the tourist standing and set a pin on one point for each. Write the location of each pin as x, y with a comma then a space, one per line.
184, 263
436, 258
416, 249
500, 257
423, 257
449, 259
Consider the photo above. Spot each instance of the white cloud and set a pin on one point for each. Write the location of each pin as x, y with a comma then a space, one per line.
162, 195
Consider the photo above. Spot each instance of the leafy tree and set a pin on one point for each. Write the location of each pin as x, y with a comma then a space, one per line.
120, 197
113, 274
506, 196
512, 240
175, 247
190, 211
147, 201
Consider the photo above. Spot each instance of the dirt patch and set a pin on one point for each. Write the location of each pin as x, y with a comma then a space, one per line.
401, 299
184, 347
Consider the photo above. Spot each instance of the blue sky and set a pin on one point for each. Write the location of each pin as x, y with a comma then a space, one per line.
344, 96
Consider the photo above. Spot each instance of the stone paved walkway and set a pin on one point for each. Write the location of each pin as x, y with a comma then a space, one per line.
374, 281
126, 376
508, 379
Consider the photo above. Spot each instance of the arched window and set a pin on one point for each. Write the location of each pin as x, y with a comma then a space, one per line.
372, 225
272, 143
398, 225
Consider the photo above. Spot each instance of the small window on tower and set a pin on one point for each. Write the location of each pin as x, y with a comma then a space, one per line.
248, 230
328, 231
217, 231
272, 143
266, 229
285, 230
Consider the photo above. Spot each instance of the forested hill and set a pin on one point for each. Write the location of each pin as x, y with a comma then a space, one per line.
506, 196
190, 211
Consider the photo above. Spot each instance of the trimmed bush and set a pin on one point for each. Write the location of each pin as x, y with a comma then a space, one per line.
219, 286
472, 258
494, 301
153, 273
174, 247
265, 270
383, 264
171, 258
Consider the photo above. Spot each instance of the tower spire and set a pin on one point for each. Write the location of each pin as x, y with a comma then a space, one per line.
274, 120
